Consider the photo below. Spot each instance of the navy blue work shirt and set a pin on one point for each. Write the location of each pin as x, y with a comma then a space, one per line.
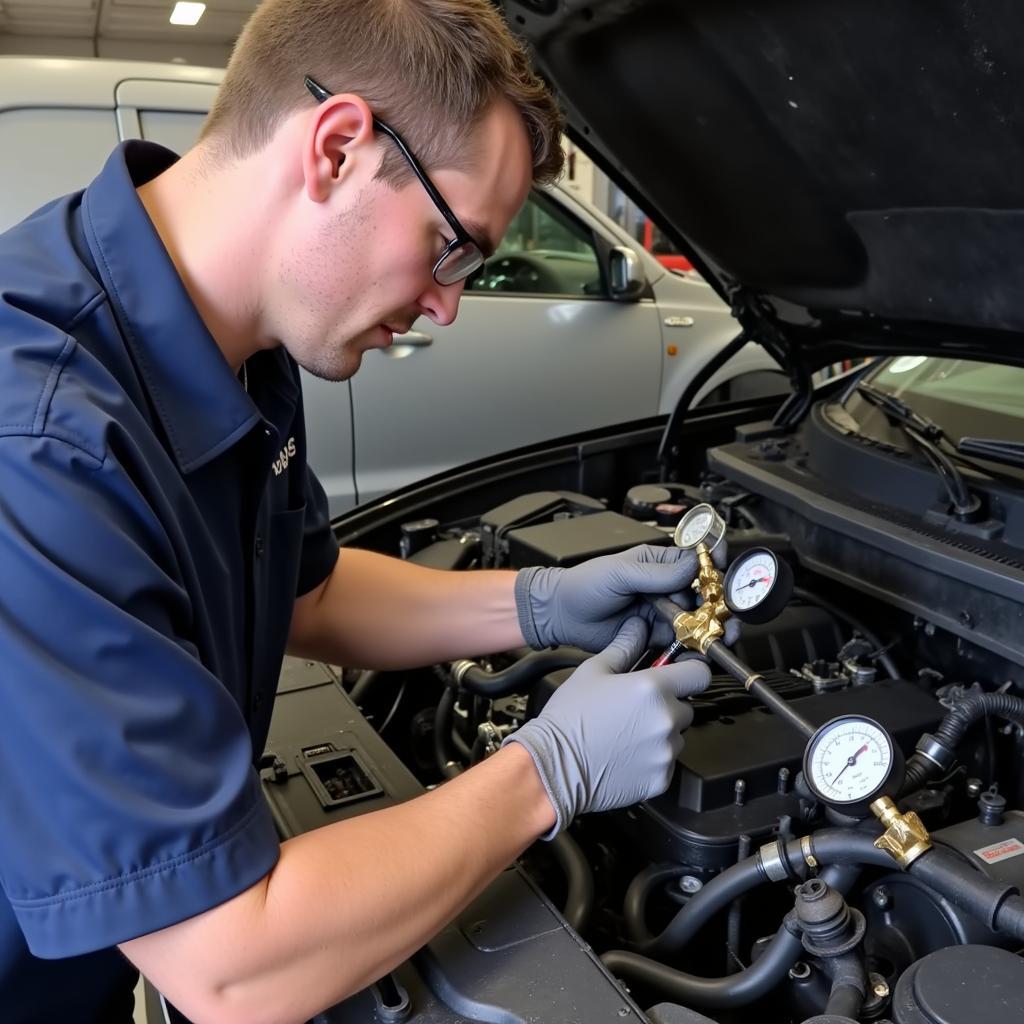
156, 524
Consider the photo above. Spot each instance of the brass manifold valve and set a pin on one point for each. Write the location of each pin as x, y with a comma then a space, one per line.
905, 837
699, 629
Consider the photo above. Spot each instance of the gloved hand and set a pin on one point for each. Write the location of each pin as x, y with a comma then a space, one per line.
585, 606
608, 737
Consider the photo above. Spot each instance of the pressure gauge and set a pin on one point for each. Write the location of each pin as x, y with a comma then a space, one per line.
758, 585
702, 524
850, 762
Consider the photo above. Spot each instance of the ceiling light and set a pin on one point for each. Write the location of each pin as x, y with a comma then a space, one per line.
186, 13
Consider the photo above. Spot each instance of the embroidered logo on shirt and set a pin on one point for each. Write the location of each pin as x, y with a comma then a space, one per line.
280, 464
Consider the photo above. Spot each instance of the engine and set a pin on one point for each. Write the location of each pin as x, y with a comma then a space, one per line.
751, 890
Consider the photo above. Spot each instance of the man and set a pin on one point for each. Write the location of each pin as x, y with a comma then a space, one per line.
364, 156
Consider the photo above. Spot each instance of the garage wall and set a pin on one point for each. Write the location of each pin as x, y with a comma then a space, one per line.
205, 54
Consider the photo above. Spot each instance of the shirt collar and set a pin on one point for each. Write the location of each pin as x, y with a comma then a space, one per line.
196, 395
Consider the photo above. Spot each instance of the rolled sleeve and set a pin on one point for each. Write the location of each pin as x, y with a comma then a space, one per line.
130, 801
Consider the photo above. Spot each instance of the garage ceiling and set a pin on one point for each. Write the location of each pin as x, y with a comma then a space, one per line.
95, 23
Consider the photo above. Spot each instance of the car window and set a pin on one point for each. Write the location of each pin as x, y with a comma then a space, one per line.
45, 153
965, 397
177, 130
545, 251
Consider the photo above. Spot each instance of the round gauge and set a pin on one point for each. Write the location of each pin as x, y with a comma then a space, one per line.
701, 524
758, 585
850, 762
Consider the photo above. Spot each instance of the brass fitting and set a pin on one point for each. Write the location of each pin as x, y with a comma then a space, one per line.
905, 837
698, 629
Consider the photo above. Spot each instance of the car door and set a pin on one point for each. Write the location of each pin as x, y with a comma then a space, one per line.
538, 350
172, 113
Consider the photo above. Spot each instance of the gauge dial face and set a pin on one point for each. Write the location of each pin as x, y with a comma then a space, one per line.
696, 525
849, 760
752, 579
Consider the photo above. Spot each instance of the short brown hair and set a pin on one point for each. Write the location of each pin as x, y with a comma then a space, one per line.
430, 68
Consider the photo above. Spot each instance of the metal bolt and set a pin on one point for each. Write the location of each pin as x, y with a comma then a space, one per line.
881, 897
783, 782
881, 988
739, 793
690, 884
974, 788
966, 619
929, 629
623, 1011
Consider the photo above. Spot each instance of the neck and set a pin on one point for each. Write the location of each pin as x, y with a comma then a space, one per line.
212, 240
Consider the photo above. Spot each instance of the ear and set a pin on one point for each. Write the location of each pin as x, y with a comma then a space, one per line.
338, 135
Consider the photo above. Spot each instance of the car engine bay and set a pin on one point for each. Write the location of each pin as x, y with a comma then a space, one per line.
852, 851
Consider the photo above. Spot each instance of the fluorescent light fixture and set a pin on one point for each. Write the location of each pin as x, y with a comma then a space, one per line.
187, 13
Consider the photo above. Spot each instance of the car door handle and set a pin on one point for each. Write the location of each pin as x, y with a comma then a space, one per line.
417, 338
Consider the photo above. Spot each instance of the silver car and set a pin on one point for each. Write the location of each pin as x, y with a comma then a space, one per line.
570, 326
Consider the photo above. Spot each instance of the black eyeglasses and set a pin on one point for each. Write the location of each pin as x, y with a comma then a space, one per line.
462, 256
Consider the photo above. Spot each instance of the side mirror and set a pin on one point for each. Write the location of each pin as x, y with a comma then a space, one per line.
625, 275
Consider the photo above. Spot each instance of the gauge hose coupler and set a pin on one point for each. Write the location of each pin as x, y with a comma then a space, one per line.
905, 837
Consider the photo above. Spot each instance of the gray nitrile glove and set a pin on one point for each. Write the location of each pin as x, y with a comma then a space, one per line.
586, 605
608, 737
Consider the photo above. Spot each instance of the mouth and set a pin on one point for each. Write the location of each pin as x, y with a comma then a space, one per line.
390, 330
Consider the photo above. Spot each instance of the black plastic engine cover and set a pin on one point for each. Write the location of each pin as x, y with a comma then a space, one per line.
698, 821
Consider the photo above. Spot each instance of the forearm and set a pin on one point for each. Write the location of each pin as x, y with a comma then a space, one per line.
383, 613
348, 902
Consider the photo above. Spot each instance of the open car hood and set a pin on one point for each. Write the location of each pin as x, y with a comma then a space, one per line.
849, 176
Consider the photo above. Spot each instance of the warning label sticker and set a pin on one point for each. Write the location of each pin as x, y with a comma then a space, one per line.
1000, 851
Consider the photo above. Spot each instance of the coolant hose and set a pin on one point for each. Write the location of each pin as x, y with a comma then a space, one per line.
446, 763
517, 676
952, 730
735, 989
831, 846
579, 901
634, 906
849, 985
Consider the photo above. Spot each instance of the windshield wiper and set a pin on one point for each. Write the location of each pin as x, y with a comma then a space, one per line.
927, 435
1009, 453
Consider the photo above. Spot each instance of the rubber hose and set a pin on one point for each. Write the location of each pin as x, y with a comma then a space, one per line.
446, 763
476, 752
634, 906
521, 673
579, 901
849, 985
844, 1001
462, 748
711, 993
885, 658
993, 902
362, 686
831, 846
954, 726
1010, 916
735, 989
735, 920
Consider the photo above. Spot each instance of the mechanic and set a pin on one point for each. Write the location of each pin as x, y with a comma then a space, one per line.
163, 542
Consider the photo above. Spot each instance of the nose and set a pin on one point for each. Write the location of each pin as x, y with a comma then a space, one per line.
440, 302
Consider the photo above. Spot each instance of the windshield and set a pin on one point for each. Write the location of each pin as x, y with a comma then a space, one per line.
965, 398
